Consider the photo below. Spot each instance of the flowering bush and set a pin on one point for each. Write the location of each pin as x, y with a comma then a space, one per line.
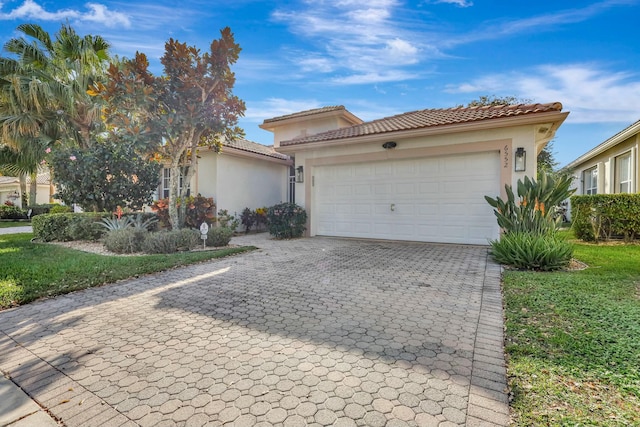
103, 176
529, 224
286, 220
534, 211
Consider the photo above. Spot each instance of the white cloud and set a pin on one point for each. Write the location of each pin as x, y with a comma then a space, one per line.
94, 12
360, 40
374, 77
459, 3
545, 22
99, 13
258, 111
590, 92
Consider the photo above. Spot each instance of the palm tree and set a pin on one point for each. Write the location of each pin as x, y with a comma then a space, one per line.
43, 94
55, 76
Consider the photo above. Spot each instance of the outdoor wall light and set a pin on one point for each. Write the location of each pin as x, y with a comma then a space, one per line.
389, 145
299, 174
520, 160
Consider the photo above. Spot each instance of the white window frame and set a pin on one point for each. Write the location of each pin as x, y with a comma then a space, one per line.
622, 181
165, 183
590, 180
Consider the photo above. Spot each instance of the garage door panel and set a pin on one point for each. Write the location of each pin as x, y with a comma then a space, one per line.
383, 169
436, 199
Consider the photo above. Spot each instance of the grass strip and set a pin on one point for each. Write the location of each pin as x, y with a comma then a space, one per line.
29, 271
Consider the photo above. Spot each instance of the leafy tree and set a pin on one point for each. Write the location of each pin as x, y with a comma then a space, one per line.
107, 175
546, 162
493, 100
191, 106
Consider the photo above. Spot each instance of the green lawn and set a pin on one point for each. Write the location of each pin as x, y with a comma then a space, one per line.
29, 271
573, 341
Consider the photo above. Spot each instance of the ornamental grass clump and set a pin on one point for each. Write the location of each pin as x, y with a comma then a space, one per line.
529, 224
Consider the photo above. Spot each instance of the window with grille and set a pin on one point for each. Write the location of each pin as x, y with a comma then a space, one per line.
623, 173
591, 181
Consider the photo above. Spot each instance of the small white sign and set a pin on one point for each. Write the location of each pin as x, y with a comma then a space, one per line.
204, 229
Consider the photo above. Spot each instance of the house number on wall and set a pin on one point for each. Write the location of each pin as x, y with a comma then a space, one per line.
505, 156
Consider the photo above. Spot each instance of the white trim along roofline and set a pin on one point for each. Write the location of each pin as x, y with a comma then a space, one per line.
555, 118
626, 133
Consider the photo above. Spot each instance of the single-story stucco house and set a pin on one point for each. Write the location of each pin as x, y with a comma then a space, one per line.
417, 176
244, 174
10, 189
611, 167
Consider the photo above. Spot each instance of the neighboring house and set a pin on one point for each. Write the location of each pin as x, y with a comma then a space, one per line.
418, 176
10, 189
611, 167
244, 174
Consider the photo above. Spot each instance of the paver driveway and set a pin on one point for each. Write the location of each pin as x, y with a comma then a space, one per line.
307, 332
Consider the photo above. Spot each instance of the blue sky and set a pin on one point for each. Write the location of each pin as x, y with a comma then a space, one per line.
384, 57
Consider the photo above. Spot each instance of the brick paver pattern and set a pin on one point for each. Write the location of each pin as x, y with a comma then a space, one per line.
311, 332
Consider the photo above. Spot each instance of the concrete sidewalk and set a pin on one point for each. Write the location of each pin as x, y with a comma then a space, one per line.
16, 230
18, 410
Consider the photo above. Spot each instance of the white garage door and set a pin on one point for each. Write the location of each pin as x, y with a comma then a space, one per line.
438, 199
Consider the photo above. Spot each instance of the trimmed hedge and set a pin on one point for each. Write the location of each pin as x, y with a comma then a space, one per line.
606, 216
66, 226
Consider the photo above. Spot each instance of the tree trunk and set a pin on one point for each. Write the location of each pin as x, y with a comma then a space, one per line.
33, 189
23, 190
174, 182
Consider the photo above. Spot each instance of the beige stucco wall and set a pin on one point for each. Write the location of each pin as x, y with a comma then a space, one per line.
43, 194
236, 182
504, 140
605, 162
307, 127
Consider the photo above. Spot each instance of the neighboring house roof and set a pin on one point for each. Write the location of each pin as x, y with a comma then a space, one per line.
429, 118
8, 181
43, 178
254, 147
619, 137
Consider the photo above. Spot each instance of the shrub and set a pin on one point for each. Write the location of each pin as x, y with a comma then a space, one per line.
59, 209
225, 219
109, 173
248, 219
85, 227
534, 211
41, 209
125, 240
261, 218
167, 242
219, 236
199, 209
530, 251
50, 227
67, 226
605, 216
12, 212
286, 220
